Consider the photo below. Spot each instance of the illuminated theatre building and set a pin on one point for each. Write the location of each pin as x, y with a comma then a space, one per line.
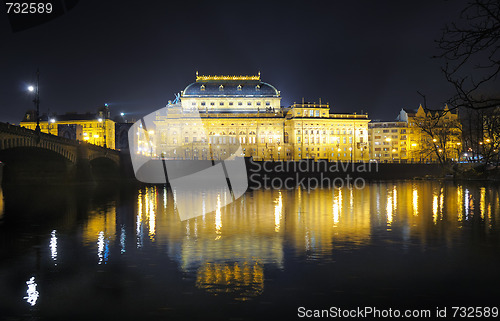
243, 110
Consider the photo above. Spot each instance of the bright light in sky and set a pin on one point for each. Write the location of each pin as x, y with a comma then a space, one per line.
31, 88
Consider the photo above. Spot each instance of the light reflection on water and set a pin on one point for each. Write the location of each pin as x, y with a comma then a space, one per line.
230, 251
252, 231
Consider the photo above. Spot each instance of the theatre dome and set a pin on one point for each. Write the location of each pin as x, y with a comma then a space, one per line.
229, 86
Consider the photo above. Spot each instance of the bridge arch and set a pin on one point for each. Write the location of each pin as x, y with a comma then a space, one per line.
13, 137
10, 143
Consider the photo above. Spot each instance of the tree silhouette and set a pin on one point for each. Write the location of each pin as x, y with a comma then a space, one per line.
470, 48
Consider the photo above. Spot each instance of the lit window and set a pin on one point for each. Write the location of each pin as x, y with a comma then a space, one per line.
239, 87
221, 88
257, 87
202, 87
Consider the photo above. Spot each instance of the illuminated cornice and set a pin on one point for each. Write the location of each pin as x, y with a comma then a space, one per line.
218, 78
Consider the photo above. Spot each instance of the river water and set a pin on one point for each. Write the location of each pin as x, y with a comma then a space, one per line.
123, 253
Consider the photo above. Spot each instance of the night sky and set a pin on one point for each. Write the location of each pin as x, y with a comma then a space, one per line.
135, 55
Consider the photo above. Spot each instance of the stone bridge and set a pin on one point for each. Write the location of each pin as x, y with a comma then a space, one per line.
12, 136
30, 158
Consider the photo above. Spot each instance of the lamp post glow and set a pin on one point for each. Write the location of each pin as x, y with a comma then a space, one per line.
51, 121
36, 101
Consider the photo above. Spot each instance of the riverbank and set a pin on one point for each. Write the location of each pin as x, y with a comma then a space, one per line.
57, 171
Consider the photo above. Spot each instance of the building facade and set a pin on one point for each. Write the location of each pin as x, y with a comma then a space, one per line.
219, 116
390, 141
417, 136
96, 128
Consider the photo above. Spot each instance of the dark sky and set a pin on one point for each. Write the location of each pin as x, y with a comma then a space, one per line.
356, 55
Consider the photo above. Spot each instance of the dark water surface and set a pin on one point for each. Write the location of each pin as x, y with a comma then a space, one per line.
123, 254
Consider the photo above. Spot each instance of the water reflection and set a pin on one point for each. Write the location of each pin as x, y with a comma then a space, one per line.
32, 293
241, 279
230, 250
53, 245
100, 231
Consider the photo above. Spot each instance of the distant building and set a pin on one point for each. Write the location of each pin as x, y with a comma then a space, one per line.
95, 128
416, 136
390, 141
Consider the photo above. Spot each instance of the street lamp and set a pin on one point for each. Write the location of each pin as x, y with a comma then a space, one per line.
458, 151
36, 101
51, 121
